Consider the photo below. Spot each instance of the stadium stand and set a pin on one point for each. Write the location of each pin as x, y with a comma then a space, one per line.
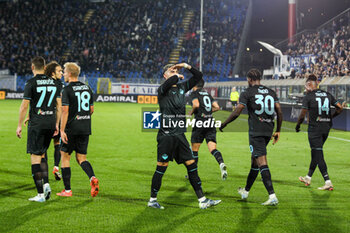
328, 47
122, 40
219, 49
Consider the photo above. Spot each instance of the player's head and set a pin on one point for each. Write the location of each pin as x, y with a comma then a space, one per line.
311, 83
71, 70
233, 89
253, 76
53, 70
38, 63
199, 85
169, 71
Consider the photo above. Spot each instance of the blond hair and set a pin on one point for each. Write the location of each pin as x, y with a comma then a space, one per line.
72, 68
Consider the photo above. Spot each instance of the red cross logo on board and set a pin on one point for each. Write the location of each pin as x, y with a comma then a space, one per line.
125, 89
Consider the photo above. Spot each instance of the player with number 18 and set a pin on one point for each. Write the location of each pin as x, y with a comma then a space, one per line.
77, 108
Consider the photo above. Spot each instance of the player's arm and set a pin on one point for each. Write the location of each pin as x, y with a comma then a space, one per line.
195, 106
64, 115
58, 114
233, 116
196, 75
338, 109
64, 118
304, 109
215, 106
301, 119
92, 109
276, 135
168, 84
22, 114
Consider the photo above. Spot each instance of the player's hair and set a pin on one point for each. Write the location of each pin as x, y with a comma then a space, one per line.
254, 74
39, 63
200, 84
311, 78
51, 68
72, 68
166, 67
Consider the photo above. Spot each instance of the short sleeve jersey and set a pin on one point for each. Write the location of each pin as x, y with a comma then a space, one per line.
205, 104
42, 93
79, 97
319, 103
260, 102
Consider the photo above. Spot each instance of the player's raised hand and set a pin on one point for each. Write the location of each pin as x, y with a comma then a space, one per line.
19, 132
182, 65
64, 137
275, 137
180, 76
297, 128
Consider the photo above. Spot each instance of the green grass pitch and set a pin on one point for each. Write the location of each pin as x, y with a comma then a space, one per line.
124, 160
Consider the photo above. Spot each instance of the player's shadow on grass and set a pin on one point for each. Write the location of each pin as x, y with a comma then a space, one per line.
156, 220
247, 222
321, 217
289, 183
14, 173
14, 218
127, 199
149, 173
14, 191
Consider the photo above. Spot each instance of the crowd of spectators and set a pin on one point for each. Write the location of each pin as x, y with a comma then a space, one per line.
330, 47
119, 37
222, 25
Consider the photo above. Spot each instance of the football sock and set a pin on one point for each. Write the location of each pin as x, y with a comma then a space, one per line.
66, 174
266, 176
37, 177
44, 170
195, 155
57, 155
157, 180
195, 181
313, 163
217, 155
86, 166
322, 165
254, 171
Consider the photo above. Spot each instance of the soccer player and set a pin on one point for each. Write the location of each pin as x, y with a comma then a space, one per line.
77, 108
261, 103
203, 106
172, 142
54, 70
318, 103
41, 94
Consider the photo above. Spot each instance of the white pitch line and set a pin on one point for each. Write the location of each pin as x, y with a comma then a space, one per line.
340, 139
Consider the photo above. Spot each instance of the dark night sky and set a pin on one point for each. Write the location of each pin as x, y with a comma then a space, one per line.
270, 17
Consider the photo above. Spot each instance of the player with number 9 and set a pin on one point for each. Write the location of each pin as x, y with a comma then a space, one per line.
77, 108
203, 106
